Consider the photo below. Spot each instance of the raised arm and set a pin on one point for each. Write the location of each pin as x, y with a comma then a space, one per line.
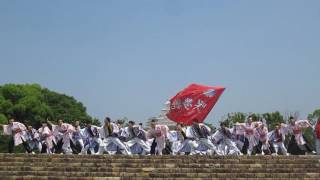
303, 124
50, 123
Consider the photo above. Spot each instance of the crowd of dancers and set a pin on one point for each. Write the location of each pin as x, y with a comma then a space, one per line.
113, 138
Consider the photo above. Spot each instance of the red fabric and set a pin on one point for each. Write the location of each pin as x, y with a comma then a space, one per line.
249, 131
18, 131
158, 133
296, 131
194, 102
278, 136
318, 130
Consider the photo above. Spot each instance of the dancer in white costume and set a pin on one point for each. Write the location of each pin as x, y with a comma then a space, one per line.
159, 133
109, 135
17, 130
200, 133
63, 131
249, 129
181, 144
136, 139
296, 127
277, 137
77, 137
261, 134
223, 137
33, 141
91, 139
47, 138
238, 136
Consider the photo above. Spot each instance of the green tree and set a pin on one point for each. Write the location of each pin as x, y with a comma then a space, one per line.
273, 119
212, 127
232, 118
3, 119
313, 117
31, 104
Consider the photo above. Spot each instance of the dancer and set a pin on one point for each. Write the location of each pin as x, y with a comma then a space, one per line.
223, 137
136, 139
181, 144
63, 133
17, 133
33, 141
91, 139
277, 137
47, 139
159, 134
109, 135
200, 133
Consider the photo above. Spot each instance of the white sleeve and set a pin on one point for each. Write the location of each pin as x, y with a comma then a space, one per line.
217, 136
70, 128
240, 129
101, 132
285, 129
125, 133
173, 136
21, 126
115, 128
271, 135
83, 133
189, 132
54, 128
7, 130
208, 128
303, 123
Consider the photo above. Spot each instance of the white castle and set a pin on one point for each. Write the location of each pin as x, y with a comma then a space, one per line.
163, 119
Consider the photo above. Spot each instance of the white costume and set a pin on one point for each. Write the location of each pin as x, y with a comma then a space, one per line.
91, 139
249, 132
262, 135
33, 140
77, 137
296, 130
226, 146
238, 137
201, 135
180, 142
47, 137
136, 140
160, 133
277, 138
64, 132
17, 130
109, 137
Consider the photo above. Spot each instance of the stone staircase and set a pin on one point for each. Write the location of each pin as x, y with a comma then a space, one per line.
22, 166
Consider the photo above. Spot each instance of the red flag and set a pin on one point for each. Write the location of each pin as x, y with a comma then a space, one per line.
194, 102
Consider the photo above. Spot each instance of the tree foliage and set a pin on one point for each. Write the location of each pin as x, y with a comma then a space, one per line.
231, 118
31, 104
272, 118
313, 117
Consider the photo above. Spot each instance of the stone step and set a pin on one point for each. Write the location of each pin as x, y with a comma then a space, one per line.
283, 169
159, 165
131, 178
40, 166
160, 175
200, 161
153, 157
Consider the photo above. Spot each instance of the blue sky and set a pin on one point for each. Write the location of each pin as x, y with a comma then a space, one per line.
125, 58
